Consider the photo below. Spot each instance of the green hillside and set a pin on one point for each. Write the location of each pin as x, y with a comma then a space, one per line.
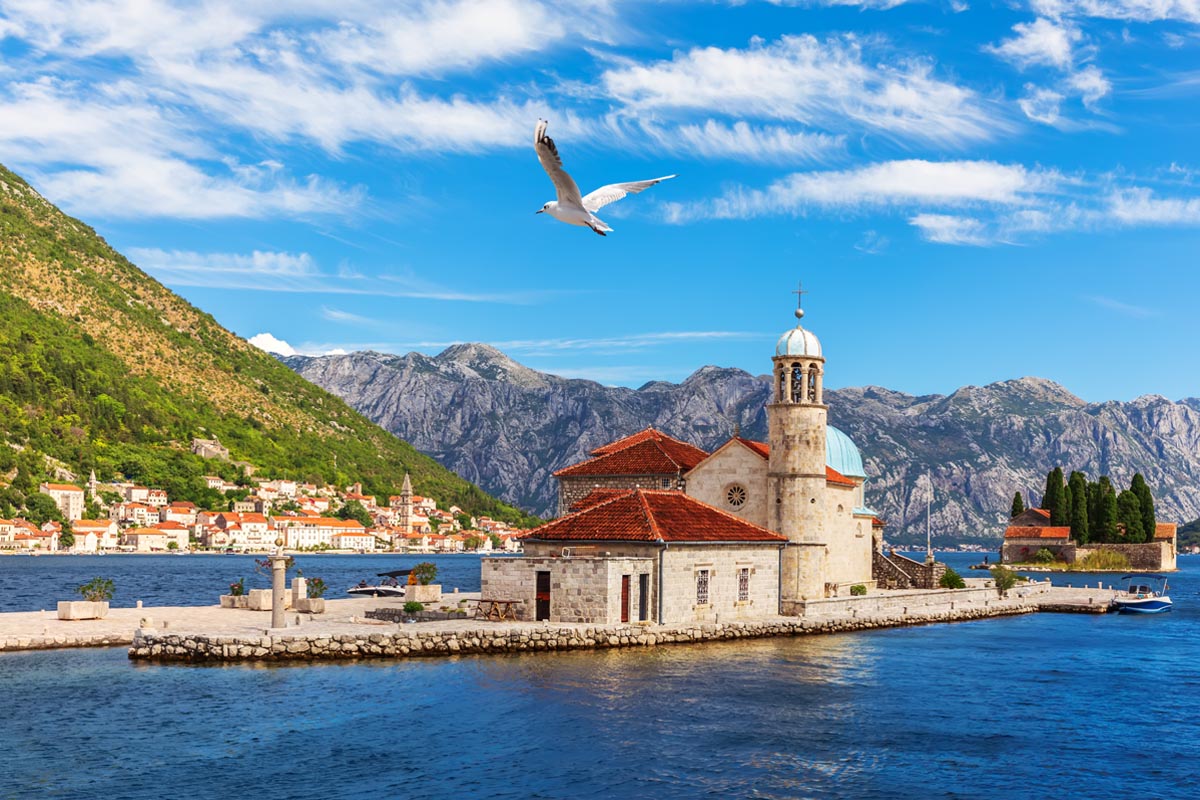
102, 367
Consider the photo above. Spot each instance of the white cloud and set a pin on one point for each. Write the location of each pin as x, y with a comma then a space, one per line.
804, 79
1041, 42
1126, 309
906, 182
267, 342
714, 139
1041, 105
1091, 84
266, 271
947, 229
1140, 206
1133, 10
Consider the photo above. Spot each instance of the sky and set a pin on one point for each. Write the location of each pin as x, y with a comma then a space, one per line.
969, 191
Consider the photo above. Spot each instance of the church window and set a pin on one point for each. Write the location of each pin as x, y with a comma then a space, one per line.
744, 584
735, 496
701, 587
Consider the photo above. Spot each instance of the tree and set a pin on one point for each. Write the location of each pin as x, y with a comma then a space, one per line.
951, 580
1129, 515
1105, 529
1054, 500
40, 509
1018, 505
1068, 504
1080, 499
1005, 579
1149, 522
497, 542
354, 510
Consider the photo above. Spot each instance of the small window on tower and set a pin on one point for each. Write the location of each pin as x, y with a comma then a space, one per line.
735, 496
666, 483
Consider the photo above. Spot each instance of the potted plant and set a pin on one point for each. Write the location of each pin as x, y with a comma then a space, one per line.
96, 593
314, 603
237, 595
421, 587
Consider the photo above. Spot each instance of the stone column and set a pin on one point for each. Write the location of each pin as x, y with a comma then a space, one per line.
278, 586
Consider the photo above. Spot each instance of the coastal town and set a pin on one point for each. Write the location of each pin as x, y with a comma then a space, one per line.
127, 517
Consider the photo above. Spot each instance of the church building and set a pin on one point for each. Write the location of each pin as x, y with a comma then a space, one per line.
656, 529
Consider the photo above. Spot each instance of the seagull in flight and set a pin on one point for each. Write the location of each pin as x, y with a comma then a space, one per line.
570, 207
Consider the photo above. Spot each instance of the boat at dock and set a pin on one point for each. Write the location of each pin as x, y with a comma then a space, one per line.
389, 587
1144, 594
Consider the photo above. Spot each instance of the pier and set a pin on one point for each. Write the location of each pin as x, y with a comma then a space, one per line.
213, 634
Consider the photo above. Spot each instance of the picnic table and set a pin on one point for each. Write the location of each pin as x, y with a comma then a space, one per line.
497, 610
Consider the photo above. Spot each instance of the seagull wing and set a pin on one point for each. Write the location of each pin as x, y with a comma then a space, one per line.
615, 191
547, 153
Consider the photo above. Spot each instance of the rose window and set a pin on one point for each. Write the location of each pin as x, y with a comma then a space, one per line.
736, 496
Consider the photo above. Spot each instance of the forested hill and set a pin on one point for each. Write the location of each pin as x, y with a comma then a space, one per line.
103, 367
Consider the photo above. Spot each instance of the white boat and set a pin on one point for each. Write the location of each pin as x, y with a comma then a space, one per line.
1144, 594
390, 587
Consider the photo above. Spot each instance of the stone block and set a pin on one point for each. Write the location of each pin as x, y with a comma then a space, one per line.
417, 593
82, 609
311, 605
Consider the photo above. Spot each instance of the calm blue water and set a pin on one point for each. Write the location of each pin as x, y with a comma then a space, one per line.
29, 583
1042, 705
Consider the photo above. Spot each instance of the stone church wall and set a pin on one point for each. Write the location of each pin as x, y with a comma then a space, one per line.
847, 537
573, 490
584, 590
681, 563
711, 481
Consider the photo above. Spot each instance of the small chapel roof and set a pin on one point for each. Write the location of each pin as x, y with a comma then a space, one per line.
1037, 532
647, 515
660, 455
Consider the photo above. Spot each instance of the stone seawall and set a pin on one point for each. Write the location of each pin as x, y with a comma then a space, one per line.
63, 641
477, 638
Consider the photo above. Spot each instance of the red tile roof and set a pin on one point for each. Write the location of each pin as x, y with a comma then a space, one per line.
644, 515
1045, 512
647, 434
62, 487
1164, 530
760, 448
876, 522
664, 456
1037, 532
837, 478
595, 497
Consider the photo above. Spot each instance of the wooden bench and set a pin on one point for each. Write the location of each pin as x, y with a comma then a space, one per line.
496, 610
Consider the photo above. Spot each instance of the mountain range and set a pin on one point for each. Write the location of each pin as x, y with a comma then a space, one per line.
507, 428
104, 368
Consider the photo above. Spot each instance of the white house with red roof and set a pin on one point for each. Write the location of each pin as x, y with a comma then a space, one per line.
94, 535
67, 496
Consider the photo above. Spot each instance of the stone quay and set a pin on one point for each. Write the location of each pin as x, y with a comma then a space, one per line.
215, 634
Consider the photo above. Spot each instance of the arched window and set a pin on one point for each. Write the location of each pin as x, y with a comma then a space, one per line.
812, 384
797, 383
781, 392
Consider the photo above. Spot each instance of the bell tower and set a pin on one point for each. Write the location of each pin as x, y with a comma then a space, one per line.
796, 422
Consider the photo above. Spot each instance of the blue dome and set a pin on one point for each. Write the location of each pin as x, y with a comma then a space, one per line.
798, 342
842, 455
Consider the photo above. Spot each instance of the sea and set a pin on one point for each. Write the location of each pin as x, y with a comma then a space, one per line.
1035, 706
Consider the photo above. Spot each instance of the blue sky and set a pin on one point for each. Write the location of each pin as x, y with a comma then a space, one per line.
970, 191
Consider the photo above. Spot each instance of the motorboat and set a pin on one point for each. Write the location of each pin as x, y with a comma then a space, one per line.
1144, 594
390, 586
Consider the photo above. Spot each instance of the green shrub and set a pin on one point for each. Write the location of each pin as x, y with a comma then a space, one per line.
1005, 579
1043, 556
425, 572
317, 587
97, 590
238, 588
952, 580
1105, 559
413, 607
858, 590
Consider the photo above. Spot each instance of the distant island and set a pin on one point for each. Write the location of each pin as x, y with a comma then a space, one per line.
1089, 526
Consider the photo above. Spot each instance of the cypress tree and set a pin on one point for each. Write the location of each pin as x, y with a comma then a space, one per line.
1018, 505
1054, 500
1129, 514
1149, 522
1068, 504
1105, 527
1080, 500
